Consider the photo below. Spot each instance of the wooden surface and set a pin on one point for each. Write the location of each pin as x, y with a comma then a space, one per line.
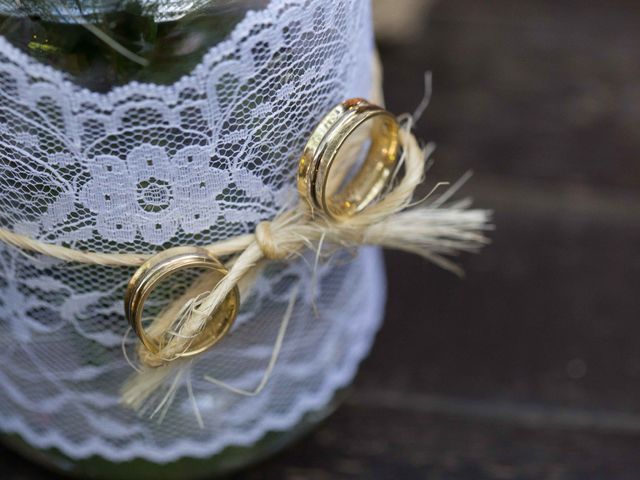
530, 367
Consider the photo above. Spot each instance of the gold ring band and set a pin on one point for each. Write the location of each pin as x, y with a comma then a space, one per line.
162, 266
324, 146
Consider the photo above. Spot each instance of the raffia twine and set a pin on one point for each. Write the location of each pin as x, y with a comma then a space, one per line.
434, 229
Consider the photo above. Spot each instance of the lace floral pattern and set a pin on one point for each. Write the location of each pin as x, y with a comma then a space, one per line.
144, 167
152, 186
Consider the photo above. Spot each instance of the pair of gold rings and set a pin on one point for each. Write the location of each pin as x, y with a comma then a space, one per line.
340, 195
328, 179
158, 268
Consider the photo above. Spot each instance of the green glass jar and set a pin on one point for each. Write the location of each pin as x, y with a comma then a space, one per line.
102, 44
105, 46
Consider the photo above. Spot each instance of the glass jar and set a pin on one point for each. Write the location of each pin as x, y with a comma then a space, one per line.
88, 58
106, 43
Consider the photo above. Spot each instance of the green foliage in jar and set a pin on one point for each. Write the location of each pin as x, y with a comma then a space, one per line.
103, 43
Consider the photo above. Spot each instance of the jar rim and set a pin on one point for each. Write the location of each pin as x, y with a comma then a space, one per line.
72, 11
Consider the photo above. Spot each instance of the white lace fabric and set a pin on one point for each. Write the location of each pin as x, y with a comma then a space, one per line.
144, 167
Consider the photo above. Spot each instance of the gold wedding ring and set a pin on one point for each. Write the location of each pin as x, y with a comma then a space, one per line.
158, 268
343, 197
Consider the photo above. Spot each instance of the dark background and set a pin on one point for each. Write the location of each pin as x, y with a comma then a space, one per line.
529, 368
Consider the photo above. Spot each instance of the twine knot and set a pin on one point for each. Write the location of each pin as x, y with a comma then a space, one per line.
266, 242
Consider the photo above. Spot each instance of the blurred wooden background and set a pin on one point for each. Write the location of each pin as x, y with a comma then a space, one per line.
530, 367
